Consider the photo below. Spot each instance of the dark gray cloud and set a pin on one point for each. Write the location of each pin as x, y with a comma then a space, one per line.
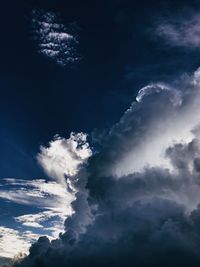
53, 39
125, 215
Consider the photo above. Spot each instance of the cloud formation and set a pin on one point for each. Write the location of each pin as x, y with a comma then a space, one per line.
165, 114
179, 31
137, 200
35, 220
53, 39
64, 157
61, 160
13, 242
38, 192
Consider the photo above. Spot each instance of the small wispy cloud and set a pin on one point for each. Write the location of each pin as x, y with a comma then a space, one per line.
49, 195
36, 220
143, 182
54, 39
182, 31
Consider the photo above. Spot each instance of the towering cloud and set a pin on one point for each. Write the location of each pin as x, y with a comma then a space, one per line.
137, 199
65, 160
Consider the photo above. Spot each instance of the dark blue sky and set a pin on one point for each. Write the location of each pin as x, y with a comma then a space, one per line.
119, 56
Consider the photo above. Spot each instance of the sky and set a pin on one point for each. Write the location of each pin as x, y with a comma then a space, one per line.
100, 133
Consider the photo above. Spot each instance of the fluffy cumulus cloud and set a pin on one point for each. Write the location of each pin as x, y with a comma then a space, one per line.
53, 39
63, 157
179, 31
137, 200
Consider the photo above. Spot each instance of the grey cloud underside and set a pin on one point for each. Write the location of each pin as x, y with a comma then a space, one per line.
53, 39
138, 217
5, 262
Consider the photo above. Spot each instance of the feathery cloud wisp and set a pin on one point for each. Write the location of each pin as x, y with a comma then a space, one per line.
179, 31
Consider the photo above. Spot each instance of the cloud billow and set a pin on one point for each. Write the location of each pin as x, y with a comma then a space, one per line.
137, 199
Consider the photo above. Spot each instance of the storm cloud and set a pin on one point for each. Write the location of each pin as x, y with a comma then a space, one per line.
137, 198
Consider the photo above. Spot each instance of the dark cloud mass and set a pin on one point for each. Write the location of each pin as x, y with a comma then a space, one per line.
130, 216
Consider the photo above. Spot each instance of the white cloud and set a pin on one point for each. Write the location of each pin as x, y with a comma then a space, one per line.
13, 242
164, 115
52, 198
157, 88
63, 157
64, 160
35, 220
53, 38
179, 31
61, 160
39, 193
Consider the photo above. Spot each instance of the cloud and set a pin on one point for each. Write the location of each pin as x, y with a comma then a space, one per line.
40, 193
5, 262
63, 157
137, 198
65, 161
52, 200
53, 39
182, 31
13, 242
164, 115
35, 220
157, 88
61, 160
